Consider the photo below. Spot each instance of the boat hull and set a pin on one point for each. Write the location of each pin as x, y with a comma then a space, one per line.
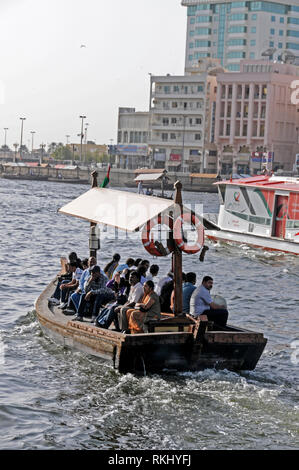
233, 349
268, 244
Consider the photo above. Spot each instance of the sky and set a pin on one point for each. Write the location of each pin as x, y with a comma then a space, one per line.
48, 78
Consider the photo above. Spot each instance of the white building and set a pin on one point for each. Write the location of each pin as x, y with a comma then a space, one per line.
182, 120
132, 138
235, 30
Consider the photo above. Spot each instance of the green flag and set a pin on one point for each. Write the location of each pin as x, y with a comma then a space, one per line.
106, 179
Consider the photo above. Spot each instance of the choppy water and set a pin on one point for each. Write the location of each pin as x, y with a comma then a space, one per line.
52, 398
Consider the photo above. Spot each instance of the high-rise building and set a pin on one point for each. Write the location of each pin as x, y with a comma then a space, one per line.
235, 30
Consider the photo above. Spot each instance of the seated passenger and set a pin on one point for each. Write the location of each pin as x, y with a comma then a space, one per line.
127, 265
153, 272
135, 295
165, 297
148, 309
110, 267
95, 291
188, 289
163, 281
141, 270
74, 300
201, 304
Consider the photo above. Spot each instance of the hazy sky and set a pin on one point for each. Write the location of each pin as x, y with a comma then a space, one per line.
49, 79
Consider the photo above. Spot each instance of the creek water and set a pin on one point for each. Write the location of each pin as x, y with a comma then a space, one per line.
53, 398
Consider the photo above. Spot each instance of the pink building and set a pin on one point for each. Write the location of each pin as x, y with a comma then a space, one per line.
255, 117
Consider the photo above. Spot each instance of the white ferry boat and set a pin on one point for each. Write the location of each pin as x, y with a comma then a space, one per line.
260, 211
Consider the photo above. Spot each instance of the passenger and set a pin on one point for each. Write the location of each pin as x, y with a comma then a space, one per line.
140, 188
148, 309
74, 300
96, 292
107, 314
55, 298
110, 267
201, 304
188, 289
163, 281
136, 263
67, 286
84, 264
127, 265
145, 263
135, 295
141, 270
165, 297
153, 272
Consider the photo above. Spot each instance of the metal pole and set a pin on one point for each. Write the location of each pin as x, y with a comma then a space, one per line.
81, 137
5, 133
32, 140
177, 259
85, 155
22, 119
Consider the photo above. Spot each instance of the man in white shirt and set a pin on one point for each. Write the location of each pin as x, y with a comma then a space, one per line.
163, 281
135, 295
201, 303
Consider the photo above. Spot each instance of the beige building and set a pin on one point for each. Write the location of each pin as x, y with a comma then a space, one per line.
255, 117
132, 138
182, 122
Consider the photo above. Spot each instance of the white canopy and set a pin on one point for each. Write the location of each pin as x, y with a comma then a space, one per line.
122, 209
149, 177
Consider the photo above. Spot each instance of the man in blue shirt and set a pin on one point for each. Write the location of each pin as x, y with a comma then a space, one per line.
188, 289
201, 303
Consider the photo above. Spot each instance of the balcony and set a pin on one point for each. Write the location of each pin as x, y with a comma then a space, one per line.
178, 111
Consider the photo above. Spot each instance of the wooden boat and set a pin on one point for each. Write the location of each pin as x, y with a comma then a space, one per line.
260, 211
176, 342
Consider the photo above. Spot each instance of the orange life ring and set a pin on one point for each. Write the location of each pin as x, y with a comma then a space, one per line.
148, 241
178, 236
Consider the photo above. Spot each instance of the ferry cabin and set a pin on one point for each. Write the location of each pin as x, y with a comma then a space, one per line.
265, 206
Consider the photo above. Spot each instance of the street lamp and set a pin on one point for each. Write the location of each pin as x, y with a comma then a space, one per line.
32, 140
81, 136
15, 146
67, 139
85, 154
5, 133
22, 119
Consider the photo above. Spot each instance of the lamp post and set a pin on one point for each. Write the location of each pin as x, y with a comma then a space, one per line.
85, 143
22, 119
5, 134
81, 136
32, 142
15, 146
67, 139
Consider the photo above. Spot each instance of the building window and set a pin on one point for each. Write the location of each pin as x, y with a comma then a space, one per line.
293, 20
281, 20
253, 30
198, 121
164, 137
200, 88
252, 55
294, 34
271, 43
234, 67
273, 19
280, 32
280, 45
125, 137
197, 136
254, 17
272, 31
253, 42
173, 136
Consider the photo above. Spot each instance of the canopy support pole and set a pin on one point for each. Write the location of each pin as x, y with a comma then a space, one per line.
177, 259
93, 241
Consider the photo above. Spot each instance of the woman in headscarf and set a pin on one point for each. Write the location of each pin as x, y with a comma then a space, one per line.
148, 309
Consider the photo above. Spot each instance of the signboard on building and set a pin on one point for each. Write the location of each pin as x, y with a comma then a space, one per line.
132, 150
160, 157
262, 157
175, 157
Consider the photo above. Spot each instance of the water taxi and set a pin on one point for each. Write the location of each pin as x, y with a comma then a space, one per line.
260, 211
176, 341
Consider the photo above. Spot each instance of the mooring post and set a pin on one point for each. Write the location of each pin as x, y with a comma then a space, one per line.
177, 261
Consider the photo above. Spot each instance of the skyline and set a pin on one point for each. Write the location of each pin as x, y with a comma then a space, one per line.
51, 80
